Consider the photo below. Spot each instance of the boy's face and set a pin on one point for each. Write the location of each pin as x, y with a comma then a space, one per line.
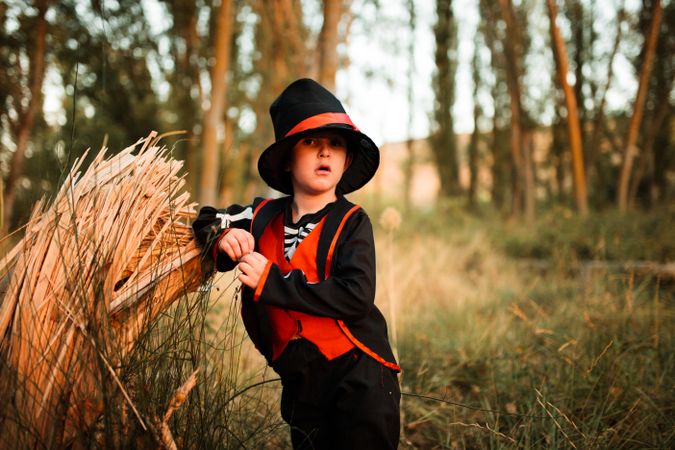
318, 162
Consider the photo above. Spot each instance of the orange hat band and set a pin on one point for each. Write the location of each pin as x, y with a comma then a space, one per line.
320, 120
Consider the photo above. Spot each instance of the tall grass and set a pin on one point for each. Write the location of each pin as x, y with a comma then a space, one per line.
547, 358
514, 357
205, 332
99, 330
200, 330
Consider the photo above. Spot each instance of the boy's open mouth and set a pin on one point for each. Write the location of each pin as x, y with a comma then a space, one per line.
323, 169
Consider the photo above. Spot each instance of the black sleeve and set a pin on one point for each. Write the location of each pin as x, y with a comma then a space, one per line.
212, 222
347, 294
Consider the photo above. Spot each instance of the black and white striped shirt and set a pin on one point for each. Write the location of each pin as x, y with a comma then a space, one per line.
294, 233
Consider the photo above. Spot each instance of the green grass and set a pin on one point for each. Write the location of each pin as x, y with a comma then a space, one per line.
608, 235
521, 358
560, 359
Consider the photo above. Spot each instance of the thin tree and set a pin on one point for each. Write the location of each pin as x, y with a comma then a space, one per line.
573, 126
657, 143
598, 122
475, 136
187, 94
213, 118
523, 180
630, 148
498, 146
580, 53
328, 42
444, 146
647, 162
26, 110
410, 162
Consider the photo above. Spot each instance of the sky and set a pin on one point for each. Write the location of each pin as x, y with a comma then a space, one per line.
374, 86
381, 108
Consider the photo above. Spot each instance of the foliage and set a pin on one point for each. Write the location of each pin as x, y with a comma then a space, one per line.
607, 235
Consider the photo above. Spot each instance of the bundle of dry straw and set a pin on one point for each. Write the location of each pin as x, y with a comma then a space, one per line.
96, 265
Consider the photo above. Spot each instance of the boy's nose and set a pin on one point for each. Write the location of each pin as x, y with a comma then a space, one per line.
324, 150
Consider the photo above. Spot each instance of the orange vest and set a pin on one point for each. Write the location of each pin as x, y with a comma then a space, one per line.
323, 332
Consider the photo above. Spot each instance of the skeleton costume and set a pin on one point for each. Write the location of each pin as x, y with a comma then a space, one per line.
312, 314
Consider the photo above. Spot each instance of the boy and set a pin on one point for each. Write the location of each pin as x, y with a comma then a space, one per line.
307, 265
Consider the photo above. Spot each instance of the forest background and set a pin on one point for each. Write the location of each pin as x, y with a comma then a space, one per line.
528, 143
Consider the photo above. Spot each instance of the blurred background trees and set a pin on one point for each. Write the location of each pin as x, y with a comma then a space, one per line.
540, 79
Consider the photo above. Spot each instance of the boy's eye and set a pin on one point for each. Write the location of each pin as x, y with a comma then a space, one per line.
337, 142
308, 141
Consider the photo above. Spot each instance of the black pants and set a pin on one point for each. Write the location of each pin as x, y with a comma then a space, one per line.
351, 402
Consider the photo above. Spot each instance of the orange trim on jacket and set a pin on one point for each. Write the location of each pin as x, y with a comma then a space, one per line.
257, 210
365, 349
331, 249
285, 323
261, 282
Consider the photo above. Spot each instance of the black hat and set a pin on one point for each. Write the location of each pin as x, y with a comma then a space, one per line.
306, 107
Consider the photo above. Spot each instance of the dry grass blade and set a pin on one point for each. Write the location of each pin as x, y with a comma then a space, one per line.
180, 395
97, 264
163, 432
555, 421
485, 427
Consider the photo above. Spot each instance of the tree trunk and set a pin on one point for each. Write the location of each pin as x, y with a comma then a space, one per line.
328, 41
229, 171
630, 149
500, 165
295, 36
410, 161
280, 59
192, 73
511, 48
558, 153
475, 136
573, 126
580, 48
444, 145
26, 117
529, 178
185, 80
213, 119
599, 115
500, 159
647, 162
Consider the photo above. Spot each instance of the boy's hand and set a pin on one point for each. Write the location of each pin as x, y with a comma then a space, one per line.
252, 267
236, 243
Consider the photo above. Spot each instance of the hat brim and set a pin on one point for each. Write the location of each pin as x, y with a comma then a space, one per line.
273, 162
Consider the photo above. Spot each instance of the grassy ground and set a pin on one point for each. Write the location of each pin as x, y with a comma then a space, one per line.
516, 357
522, 358
551, 358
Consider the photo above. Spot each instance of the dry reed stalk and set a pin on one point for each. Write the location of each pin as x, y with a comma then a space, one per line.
165, 436
96, 265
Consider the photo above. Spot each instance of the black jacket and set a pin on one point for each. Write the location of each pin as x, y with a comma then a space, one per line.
347, 295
